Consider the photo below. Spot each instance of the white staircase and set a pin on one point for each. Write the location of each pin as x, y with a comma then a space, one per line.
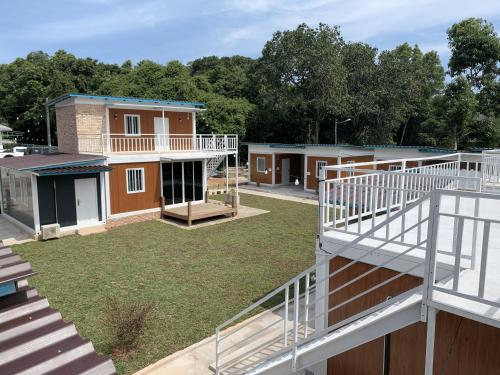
320, 313
213, 163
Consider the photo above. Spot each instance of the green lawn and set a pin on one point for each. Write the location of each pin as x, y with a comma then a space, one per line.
197, 278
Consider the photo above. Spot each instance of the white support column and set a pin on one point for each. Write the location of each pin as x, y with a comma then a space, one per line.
193, 123
227, 173
305, 171
273, 170
236, 166
339, 161
321, 303
108, 196
429, 347
34, 197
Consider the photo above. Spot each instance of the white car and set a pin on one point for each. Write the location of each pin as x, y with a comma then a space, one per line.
16, 152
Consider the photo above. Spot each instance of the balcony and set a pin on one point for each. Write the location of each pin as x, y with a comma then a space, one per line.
157, 143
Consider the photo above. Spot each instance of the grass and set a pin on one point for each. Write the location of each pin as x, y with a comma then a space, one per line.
197, 278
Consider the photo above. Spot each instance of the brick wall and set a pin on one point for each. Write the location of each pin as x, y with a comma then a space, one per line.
66, 129
75, 120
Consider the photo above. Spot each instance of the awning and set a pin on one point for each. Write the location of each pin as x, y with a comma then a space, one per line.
81, 169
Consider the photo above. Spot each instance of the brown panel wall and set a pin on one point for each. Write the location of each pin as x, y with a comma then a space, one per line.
296, 167
121, 201
312, 181
462, 346
258, 176
179, 122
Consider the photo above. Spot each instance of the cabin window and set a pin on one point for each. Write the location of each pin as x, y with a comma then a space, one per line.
394, 167
350, 169
132, 125
12, 186
261, 165
135, 180
319, 164
24, 190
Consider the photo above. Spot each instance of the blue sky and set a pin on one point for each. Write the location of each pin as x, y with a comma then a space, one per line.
116, 30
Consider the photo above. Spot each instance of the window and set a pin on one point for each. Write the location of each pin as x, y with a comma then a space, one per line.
24, 190
135, 180
132, 125
261, 165
351, 169
319, 164
12, 186
393, 168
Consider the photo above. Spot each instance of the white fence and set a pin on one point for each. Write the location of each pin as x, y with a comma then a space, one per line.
148, 143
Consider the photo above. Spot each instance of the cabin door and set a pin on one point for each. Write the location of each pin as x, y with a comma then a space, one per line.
285, 171
86, 201
162, 130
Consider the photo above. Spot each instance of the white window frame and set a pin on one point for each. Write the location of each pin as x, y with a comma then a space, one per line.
394, 168
126, 132
351, 169
257, 162
23, 183
12, 186
320, 164
128, 173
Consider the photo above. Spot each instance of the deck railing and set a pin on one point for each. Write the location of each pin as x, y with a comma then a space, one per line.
156, 143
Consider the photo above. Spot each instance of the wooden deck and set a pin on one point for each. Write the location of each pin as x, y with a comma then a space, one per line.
192, 212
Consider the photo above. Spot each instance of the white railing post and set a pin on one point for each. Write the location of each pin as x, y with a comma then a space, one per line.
430, 253
321, 198
285, 321
296, 293
217, 338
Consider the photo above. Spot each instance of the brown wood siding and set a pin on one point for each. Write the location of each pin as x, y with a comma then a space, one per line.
462, 346
312, 181
296, 168
121, 201
179, 122
260, 176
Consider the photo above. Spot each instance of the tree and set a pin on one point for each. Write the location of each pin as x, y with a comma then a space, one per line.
305, 76
475, 50
460, 103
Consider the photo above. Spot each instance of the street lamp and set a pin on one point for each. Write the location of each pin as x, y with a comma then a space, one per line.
339, 123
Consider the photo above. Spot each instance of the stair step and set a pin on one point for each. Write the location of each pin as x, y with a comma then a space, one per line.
34, 340
29, 322
31, 305
89, 364
14, 268
49, 357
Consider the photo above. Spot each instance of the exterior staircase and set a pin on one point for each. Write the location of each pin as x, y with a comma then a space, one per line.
214, 162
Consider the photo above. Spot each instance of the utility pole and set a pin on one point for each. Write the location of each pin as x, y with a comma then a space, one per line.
339, 123
47, 120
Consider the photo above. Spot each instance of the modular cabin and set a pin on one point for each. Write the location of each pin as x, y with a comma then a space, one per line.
278, 164
152, 147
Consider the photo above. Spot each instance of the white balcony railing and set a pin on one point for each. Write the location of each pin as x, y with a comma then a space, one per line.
156, 143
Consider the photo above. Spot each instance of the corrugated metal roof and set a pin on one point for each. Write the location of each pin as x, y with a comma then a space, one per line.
34, 338
83, 169
125, 99
43, 161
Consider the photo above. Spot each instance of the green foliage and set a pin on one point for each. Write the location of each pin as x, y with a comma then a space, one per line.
305, 79
475, 50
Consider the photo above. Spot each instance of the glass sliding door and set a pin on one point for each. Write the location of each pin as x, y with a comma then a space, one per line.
182, 181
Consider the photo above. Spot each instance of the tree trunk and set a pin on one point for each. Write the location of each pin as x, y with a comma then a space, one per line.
403, 133
316, 131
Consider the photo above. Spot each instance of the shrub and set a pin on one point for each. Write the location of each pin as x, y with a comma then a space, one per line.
126, 321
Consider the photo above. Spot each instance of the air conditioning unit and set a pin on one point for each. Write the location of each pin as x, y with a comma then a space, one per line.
50, 231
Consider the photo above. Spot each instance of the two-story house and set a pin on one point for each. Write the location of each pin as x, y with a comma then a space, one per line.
116, 157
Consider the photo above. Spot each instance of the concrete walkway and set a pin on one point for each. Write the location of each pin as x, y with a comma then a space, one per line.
281, 192
11, 234
237, 358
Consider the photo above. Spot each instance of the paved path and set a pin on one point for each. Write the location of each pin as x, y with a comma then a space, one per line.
11, 234
281, 193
